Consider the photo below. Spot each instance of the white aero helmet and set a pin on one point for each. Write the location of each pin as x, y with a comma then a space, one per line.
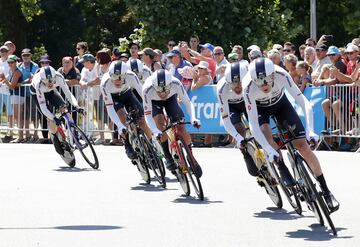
47, 74
262, 71
136, 66
161, 80
234, 73
117, 70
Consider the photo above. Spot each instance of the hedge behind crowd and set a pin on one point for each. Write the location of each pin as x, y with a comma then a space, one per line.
58, 25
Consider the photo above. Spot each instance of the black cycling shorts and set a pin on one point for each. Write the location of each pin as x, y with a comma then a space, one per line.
283, 111
127, 100
235, 112
53, 100
172, 108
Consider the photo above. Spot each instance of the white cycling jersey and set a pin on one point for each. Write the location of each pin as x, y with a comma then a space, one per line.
107, 88
254, 97
149, 93
227, 96
41, 89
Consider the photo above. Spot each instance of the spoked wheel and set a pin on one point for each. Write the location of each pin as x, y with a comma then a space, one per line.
190, 160
142, 168
154, 161
317, 198
265, 179
83, 144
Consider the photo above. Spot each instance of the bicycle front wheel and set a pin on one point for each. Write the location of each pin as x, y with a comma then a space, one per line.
154, 161
265, 179
83, 144
317, 198
190, 161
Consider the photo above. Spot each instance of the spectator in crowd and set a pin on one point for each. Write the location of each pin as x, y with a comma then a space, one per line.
44, 60
90, 81
302, 51
170, 45
148, 58
177, 62
134, 49
310, 42
81, 49
275, 56
141, 71
124, 57
254, 53
187, 74
352, 52
280, 48
194, 57
11, 46
17, 93
356, 41
304, 71
290, 61
289, 48
310, 56
71, 74
238, 49
202, 77
322, 59
115, 54
194, 42
160, 58
233, 57
4, 89
28, 68
221, 63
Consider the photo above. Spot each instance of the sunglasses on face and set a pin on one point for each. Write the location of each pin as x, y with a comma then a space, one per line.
264, 80
45, 63
287, 50
11, 62
78, 48
308, 44
25, 55
331, 55
171, 44
349, 53
319, 50
218, 53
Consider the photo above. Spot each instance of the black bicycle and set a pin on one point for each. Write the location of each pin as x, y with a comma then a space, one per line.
73, 138
147, 155
306, 185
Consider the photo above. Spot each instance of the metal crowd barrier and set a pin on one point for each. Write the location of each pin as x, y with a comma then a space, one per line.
21, 114
343, 119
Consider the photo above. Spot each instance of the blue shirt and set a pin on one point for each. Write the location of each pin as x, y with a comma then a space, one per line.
27, 72
182, 64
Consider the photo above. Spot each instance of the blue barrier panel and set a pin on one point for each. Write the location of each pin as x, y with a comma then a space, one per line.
207, 109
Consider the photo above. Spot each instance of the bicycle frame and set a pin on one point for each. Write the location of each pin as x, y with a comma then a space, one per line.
172, 134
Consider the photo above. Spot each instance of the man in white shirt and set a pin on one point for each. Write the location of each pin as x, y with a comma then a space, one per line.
221, 63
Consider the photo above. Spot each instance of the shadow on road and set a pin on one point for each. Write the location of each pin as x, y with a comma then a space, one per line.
278, 214
71, 228
74, 169
317, 233
194, 200
149, 187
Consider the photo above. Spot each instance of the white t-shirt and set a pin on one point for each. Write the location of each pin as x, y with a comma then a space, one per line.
219, 76
88, 76
4, 68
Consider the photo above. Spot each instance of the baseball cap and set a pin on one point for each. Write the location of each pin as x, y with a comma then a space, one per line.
233, 56
4, 47
351, 48
87, 58
116, 52
175, 51
45, 59
321, 47
208, 46
25, 51
253, 47
333, 50
273, 52
12, 58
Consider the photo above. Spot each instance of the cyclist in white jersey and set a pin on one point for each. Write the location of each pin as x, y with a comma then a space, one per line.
116, 87
142, 71
47, 98
232, 106
160, 91
264, 93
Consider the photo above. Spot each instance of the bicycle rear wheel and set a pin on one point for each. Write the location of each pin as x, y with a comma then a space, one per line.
304, 169
154, 161
190, 163
265, 178
68, 154
84, 145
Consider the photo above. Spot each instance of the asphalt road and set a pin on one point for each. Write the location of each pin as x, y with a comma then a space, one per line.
44, 203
